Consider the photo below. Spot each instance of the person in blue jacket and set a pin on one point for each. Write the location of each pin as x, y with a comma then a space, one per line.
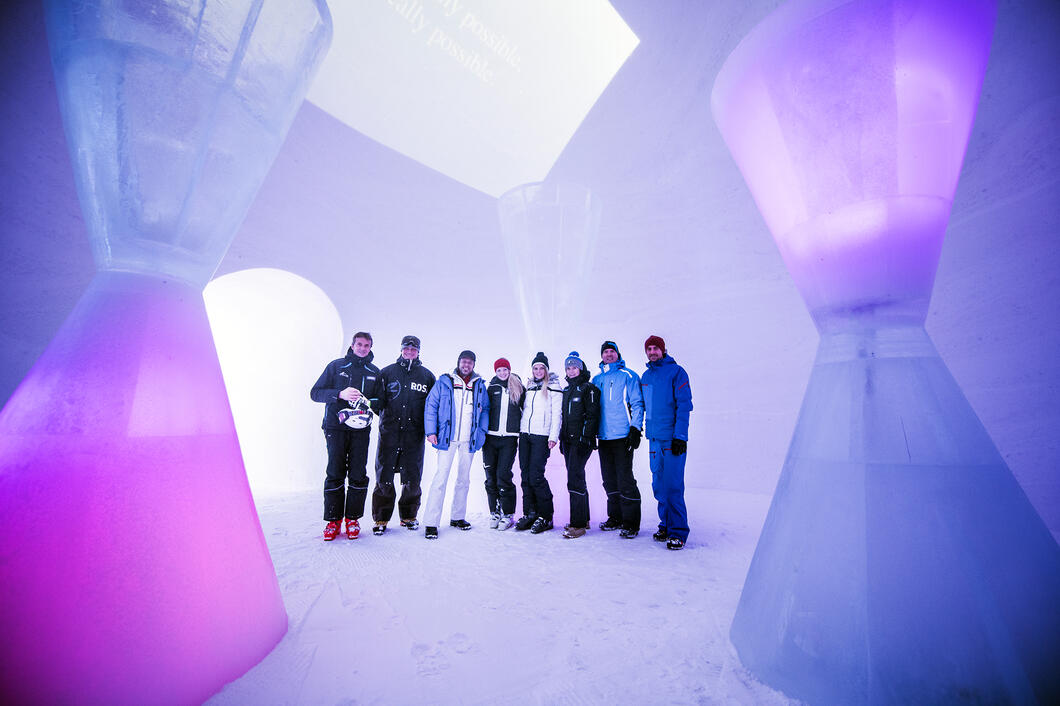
455, 420
668, 402
621, 416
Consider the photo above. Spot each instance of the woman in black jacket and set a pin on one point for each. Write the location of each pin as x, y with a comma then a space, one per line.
502, 441
577, 439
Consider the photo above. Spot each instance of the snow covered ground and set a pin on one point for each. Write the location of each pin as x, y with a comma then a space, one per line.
484, 617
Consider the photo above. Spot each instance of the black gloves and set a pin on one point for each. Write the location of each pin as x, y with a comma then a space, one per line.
678, 447
633, 440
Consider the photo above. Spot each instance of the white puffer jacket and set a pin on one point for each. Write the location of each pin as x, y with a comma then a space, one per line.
543, 415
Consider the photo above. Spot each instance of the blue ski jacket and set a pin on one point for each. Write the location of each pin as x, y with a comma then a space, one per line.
621, 403
667, 399
438, 414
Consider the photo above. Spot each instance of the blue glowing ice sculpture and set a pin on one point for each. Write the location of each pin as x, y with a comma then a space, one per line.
900, 561
133, 566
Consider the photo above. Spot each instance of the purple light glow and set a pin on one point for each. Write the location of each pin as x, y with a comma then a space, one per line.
133, 562
900, 561
849, 121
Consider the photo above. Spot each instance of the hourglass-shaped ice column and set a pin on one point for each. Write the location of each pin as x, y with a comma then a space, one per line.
133, 565
549, 232
900, 561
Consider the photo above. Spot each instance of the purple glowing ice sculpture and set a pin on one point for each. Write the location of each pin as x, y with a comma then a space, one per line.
900, 561
133, 566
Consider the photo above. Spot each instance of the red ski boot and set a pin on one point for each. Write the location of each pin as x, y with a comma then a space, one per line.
332, 530
353, 529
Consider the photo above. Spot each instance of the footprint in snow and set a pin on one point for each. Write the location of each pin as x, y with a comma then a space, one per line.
429, 660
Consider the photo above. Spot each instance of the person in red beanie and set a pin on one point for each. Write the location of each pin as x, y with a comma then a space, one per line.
668, 402
502, 442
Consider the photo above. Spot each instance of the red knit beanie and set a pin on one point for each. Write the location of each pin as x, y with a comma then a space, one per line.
501, 363
655, 341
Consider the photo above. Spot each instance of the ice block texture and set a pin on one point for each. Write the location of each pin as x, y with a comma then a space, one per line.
900, 561
849, 121
133, 564
550, 232
174, 112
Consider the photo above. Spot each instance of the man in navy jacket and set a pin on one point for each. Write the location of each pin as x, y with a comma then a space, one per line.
667, 404
341, 388
403, 388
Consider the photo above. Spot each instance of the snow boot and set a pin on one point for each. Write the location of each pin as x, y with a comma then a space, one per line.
505, 522
410, 524
431, 533
541, 525
610, 525
674, 543
495, 520
525, 522
628, 533
573, 532
353, 529
379, 528
661, 536
460, 524
332, 530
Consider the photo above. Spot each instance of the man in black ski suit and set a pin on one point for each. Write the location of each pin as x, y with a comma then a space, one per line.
340, 387
403, 390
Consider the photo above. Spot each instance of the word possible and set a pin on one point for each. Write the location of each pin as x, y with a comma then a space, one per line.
412, 11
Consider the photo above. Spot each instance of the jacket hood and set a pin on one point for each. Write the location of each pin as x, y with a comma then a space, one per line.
665, 360
608, 367
456, 374
581, 377
553, 382
409, 364
352, 357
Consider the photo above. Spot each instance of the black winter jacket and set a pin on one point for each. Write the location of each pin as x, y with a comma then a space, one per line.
403, 390
351, 371
581, 412
496, 392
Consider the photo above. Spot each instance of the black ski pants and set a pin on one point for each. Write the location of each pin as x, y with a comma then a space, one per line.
498, 457
393, 457
575, 457
616, 471
347, 458
533, 455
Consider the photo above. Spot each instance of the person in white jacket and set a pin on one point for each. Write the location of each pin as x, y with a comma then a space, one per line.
538, 435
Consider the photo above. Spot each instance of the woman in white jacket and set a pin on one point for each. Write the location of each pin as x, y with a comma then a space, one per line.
538, 434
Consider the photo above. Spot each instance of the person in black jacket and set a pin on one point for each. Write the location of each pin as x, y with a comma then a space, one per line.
502, 441
577, 439
403, 391
345, 386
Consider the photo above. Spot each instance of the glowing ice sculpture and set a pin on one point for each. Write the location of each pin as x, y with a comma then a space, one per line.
133, 565
900, 561
549, 232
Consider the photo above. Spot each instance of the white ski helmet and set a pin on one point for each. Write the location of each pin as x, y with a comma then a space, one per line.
359, 416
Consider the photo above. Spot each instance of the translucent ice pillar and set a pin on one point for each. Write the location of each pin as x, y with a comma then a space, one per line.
549, 233
900, 561
133, 566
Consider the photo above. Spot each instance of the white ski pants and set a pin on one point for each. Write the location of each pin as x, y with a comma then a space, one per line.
463, 457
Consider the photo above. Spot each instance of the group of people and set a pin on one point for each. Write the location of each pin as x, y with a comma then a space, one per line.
460, 414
